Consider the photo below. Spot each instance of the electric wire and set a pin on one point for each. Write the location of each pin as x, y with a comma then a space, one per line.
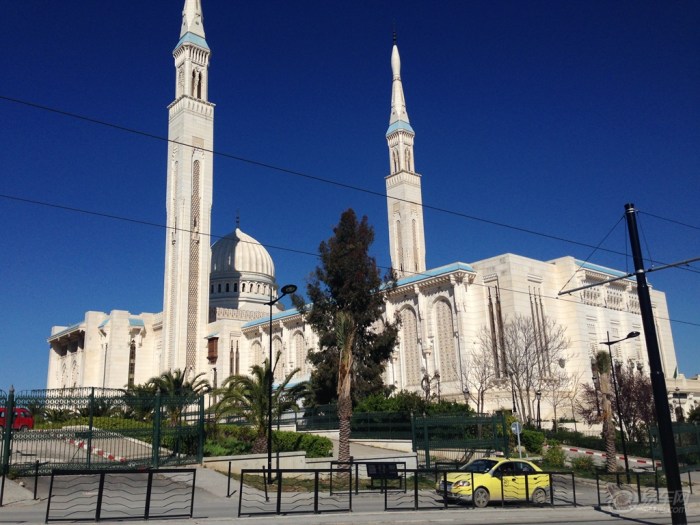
674, 221
592, 252
323, 180
300, 174
297, 174
297, 251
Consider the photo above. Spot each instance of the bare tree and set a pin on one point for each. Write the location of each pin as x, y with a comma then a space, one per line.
636, 407
480, 373
559, 388
532, 356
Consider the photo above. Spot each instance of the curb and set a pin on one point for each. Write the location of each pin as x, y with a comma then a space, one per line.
97, 451
641, 461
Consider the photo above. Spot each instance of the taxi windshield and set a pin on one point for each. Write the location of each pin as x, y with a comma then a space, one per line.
480, 466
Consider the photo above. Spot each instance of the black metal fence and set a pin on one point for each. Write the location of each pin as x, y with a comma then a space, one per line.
456, 438
290, 491
687, 438
76, 495
343, 485
621, 489
98, 429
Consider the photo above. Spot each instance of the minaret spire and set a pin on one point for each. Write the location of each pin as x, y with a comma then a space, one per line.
188, 200
403, 186
192, 19
398, 101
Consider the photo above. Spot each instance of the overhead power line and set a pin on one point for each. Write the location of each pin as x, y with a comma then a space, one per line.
300, 174
296, 174
270, 246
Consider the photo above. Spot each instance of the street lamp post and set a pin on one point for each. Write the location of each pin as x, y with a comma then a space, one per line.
437, 378
538, 395
609, 344
286, 290
679, 410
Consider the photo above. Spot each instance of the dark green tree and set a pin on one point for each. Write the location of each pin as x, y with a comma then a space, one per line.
347, 296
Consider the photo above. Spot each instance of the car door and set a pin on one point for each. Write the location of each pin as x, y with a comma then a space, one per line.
526, 477
502, 485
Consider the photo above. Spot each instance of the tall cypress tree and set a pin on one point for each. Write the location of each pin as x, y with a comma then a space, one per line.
347, 295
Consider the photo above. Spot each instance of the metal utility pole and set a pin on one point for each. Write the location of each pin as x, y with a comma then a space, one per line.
658, 382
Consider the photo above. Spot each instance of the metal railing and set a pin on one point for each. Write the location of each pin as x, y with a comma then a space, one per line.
374, 470
316, 491
76, 495
641, 487
98, 429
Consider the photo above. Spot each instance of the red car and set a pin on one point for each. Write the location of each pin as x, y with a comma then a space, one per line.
22, 420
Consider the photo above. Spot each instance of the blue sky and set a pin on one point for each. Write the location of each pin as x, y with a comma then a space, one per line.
547, 116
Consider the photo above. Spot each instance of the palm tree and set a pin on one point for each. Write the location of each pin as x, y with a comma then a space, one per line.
177, 391
247, 396
139, 401
603, 367
345, 336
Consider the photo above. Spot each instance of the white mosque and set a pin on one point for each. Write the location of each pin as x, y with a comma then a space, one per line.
215, 319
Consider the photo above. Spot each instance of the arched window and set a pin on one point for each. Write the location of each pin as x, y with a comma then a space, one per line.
300, 353
410, 353
415, 245
74, 372
242, 287
447, 358
256, 353
399, 246
408, 159
218, 288
235, 287
227, 289
132, 364
278, 362
64, 375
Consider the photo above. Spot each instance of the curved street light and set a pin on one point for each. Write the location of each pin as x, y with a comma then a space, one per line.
286, 290
609, 344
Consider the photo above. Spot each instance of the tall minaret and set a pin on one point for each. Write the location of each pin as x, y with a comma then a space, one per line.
404, 201
188, 199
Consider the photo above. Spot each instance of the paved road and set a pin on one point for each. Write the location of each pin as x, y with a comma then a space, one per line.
212, 507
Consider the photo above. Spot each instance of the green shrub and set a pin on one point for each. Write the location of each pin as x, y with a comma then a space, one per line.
583, 464
406, 403
554, 457
233, 440
212, 449
229, 446
314, 446
532, 440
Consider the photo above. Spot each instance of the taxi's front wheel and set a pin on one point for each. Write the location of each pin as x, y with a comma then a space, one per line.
539, 496
481, 497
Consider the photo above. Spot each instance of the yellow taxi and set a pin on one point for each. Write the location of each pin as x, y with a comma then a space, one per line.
495, 479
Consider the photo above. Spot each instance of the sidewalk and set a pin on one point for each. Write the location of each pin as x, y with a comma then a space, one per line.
212, 507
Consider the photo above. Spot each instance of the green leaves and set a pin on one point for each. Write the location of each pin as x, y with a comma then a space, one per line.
347, 293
